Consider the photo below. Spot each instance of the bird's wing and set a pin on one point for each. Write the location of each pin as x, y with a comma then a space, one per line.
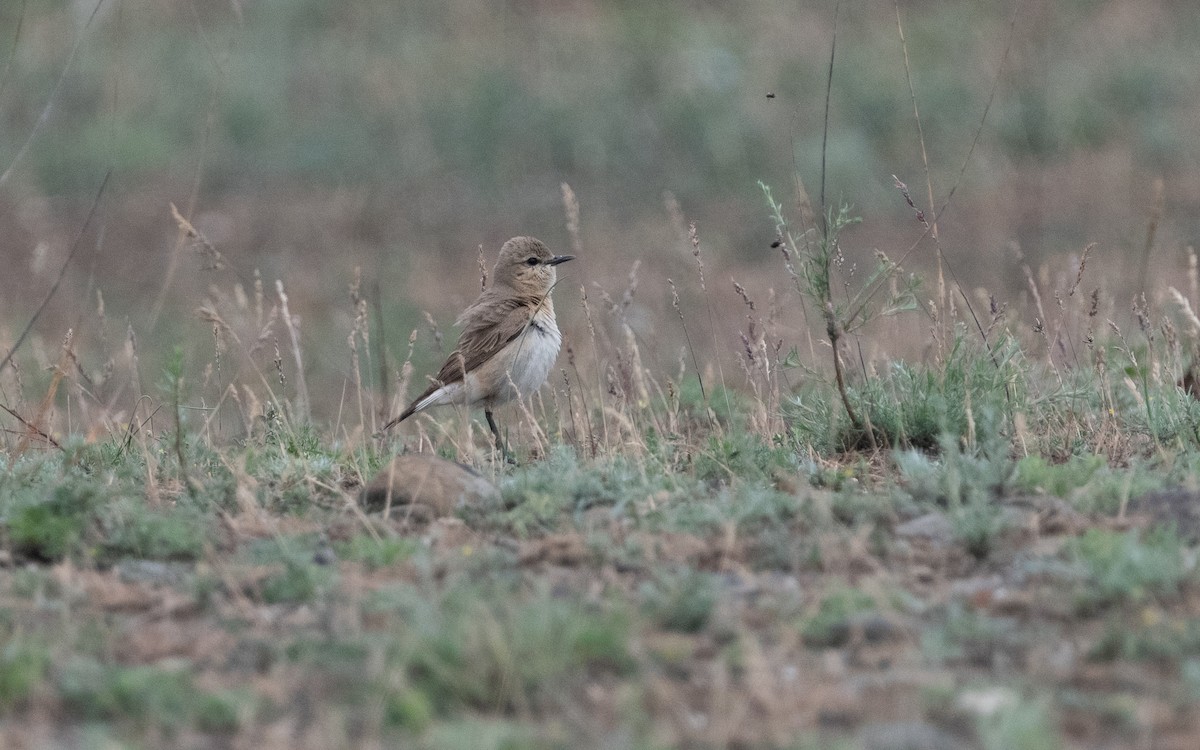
488, 326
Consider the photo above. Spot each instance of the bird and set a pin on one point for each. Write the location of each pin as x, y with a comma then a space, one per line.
509, 340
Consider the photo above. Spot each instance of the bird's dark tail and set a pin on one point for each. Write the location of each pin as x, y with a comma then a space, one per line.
403, 416
411, 410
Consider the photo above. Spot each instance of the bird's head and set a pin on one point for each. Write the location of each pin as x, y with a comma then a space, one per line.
527, 266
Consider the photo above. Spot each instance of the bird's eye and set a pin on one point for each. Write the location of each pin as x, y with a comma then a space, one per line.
531, 262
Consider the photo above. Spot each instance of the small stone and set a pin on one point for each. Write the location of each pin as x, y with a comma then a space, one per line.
324, 554
153, 572
876, 628
987, 701
935, 527
442, 486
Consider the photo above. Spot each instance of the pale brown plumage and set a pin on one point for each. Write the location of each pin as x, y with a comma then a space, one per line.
497, 357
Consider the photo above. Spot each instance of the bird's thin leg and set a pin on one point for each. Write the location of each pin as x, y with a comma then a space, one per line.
496, 434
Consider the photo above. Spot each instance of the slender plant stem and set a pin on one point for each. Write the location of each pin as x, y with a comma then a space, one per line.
62, 272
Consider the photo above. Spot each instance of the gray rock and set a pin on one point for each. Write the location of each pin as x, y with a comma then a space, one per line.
1177, 506
932, 526
442, 487
153, 572
251, 655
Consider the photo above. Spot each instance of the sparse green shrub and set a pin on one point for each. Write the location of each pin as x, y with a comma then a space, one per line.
297, 576
409, 709
1168, 641
828, 625
297, 582
1036, 473
966, 484
145, 696
681, 601
375, 552
171, 533
1127, 567
741, 455
967, 636
50, 529
1022, 725
24, 662
468, 649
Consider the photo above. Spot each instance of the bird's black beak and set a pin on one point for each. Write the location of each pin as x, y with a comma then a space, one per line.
559, 259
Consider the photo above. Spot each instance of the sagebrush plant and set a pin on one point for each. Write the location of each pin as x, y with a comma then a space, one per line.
811, 256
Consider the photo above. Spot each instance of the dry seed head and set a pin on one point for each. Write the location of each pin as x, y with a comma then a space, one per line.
1082, 267
218, 346
587, 312
213, 260
1143, 316
433, 328
1186, 307
627, 298
279, 363
1192, 276
674, 297
694, 237
258, 299
1170, 335
606, 299
266, 331
571, 206
748, 347
741, 290
208, 313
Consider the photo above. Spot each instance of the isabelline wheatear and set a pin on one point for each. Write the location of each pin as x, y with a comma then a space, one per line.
509, 337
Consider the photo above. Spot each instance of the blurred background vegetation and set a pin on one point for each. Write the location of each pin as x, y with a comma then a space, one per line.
306, 138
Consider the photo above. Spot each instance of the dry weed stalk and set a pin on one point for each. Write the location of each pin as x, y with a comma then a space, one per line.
757, 364
1153, 218
359, 331
599, 364
293, 328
